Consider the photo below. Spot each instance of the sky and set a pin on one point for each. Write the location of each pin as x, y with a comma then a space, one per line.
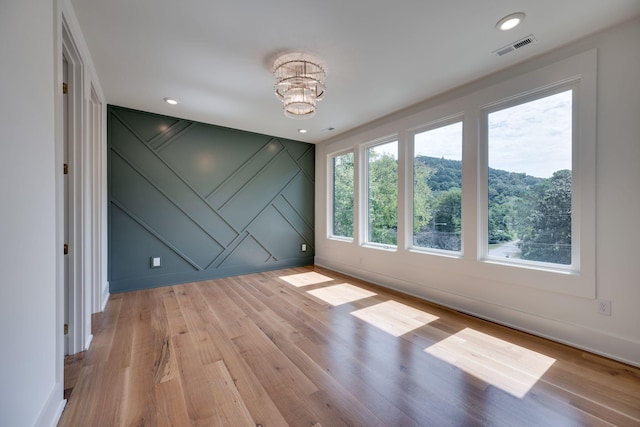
445, 141
534, 138
387, 148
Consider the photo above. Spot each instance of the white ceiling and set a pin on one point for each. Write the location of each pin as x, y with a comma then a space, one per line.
382, 56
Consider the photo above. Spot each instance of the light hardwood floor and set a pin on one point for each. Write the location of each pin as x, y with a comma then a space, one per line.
309, 347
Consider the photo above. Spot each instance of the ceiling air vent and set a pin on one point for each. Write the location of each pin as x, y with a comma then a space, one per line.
530, 39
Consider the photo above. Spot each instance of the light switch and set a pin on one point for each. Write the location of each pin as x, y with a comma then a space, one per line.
155, 262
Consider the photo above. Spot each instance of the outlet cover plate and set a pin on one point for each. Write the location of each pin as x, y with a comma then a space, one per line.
604, 307
156, 262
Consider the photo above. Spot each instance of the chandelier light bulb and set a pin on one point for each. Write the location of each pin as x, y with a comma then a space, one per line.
299, 83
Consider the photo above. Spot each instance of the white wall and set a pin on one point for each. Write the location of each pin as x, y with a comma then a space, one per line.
30, 371
563, 317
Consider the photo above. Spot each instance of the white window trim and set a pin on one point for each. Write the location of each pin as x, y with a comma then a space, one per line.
577, 73
483, 252
580, 281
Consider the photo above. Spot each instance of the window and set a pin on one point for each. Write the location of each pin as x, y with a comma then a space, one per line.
343, 191
529, 172
382, 193
437, 188
530, 180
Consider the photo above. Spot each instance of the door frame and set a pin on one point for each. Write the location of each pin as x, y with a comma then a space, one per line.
79, 334
88, 287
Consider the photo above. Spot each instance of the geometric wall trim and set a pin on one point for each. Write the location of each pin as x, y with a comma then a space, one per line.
209, 201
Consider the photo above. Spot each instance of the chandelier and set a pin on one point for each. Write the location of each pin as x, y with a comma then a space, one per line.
299, 83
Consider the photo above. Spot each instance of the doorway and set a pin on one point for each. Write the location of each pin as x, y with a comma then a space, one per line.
82, 287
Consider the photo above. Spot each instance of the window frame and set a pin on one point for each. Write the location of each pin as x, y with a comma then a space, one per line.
580, 73
579, 70
530, 96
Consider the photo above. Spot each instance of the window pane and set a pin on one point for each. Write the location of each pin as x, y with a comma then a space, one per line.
343, 191
382, 192
437, 188
530, 149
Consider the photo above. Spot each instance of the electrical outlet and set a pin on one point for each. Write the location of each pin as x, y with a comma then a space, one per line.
303, 248
155, 262
604, 307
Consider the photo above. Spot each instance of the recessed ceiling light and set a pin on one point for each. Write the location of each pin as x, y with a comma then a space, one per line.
171, 101
302, 130
510, 21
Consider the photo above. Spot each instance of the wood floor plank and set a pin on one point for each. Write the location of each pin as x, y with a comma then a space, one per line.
95, 397
281, 333
308, 347
165, 364
347, 336
173, 312
193, 312
258, 401
120, 352
230, 407
136, 403
104, 335
198, 393
171, 406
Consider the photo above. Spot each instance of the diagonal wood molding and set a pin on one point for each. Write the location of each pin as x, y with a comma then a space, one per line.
210, 201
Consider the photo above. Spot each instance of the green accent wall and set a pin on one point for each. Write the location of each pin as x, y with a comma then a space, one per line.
209, 201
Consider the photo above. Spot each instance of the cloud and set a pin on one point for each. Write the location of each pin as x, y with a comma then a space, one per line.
443, 142
533, 138
389, 148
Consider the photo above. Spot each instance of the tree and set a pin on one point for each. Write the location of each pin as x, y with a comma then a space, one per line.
383, 198
546, 236
343, 192
447, 220
500, 220
422, 196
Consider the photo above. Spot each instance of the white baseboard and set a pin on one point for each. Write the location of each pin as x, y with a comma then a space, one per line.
594, 341
105, 297
87, 341
52, 409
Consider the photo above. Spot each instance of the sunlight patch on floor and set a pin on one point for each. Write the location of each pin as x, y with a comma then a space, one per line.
508, 366
394, 318
341, 294
306, 279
